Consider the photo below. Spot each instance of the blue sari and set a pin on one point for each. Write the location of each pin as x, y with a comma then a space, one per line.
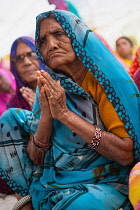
73, 176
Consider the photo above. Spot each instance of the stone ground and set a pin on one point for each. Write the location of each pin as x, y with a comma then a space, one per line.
7, 201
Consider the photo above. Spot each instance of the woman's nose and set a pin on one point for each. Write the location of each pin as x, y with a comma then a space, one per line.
52, 43
27, 60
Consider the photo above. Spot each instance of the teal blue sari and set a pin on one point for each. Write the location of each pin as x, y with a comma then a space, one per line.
73, 176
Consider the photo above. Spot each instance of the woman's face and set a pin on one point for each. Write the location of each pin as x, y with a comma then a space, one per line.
55, 46
28, 66
123, 47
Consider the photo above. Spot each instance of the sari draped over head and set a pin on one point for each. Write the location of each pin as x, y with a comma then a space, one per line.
113, 52
17, 99
73, 176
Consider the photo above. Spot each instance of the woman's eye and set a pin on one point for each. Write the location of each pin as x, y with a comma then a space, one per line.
42, 41
59, 33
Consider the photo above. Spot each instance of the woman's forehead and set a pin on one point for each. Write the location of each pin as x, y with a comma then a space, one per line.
49, 25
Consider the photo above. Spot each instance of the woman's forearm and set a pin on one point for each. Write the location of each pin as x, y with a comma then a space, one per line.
37, 147
44, 129
111, 146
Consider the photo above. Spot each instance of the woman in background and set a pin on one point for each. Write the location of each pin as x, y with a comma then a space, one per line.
124, 48
24, 65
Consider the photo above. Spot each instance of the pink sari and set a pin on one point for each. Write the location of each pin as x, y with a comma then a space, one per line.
4, 97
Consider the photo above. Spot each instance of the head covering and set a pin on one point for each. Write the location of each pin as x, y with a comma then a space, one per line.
17, 100
116, 82
113, 52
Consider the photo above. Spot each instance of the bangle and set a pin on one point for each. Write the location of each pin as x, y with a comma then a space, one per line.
22, 202
42, 149
96, 138
40, 143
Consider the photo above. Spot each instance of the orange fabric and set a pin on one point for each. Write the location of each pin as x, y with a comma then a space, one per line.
107, 113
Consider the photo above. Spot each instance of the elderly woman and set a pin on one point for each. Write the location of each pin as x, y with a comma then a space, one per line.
84, 141
24, 65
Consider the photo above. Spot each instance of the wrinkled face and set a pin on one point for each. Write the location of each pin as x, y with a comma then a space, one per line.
27, 66
123, 47
4, 84
55, 46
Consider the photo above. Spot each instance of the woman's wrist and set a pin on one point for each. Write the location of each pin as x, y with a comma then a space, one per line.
38, 145
45, 118
64, 116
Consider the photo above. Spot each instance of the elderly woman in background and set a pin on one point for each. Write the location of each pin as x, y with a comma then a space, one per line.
83, 129
24, 65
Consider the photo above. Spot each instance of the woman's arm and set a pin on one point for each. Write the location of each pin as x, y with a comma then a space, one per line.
111, 146
39, 144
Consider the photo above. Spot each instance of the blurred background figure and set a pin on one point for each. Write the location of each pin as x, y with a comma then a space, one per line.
136, 78
7, 88
65, 5
24, 65
124, 48
135, 68
5, 62
135, 63
134, 186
